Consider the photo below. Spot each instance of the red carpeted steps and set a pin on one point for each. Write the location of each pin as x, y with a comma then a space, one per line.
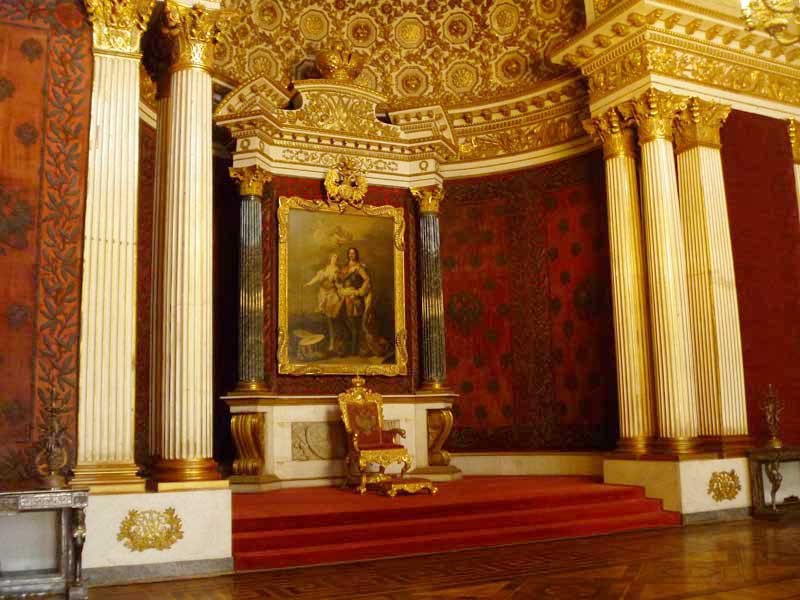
323, 525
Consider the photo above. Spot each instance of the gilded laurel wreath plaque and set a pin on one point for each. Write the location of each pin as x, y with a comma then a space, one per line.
143, 530
724, 485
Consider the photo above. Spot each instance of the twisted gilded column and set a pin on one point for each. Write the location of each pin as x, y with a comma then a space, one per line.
713, 306
673, 365
434, 376
184, 444
251, 283
637, 424
794, 138
106, 391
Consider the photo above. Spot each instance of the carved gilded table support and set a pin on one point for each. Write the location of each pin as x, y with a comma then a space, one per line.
105, 461
251, 284
629, 285
675, 391
434, 375
794, 137
711, 281
248, 435
440, 423
184, 441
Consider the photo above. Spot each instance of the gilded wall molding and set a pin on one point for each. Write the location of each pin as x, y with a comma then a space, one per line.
613, 132
699, 123
195, 31
117, 25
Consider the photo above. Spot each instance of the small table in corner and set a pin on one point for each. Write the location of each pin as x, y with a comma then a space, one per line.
66, 579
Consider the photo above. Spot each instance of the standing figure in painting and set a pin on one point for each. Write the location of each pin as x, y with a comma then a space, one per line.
329, 302
355, 287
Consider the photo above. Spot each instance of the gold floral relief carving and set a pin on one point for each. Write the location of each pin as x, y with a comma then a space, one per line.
144, 530
117, 25
699, 124
346, 184
724, 485
420, 35
329, 159
602, 6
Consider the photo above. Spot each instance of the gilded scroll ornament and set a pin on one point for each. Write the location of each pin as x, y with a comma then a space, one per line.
654, 112
429, 197
117, 25
338, 63
248, 436
614, 133
724, 485
794, 138
346, 184
251, 179
195, 31
143, 530
699, 123
440, 423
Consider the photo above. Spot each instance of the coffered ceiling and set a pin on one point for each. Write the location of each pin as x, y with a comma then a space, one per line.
453, 52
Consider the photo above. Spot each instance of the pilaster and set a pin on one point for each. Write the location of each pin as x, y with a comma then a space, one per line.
108, 308
793, 126
673, 365
711, 281
629, 282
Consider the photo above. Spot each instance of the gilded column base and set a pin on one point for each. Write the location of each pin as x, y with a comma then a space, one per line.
185, 473
672, 446
251, 387
728, 445
635, 445
108, 478
435, 387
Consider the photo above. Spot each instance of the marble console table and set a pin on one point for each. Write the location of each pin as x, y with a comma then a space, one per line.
290, 441
66, 579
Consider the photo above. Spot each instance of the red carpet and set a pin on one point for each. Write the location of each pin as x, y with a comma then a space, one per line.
308, 526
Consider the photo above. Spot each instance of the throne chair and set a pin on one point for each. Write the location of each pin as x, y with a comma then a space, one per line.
368, 443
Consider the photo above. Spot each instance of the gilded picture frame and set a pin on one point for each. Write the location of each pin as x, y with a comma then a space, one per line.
341, 289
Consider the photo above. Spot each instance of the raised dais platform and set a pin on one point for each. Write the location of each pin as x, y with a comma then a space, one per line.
306, 526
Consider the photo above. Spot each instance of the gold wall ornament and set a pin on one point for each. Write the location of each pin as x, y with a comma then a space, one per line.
699, 123
292, 366
117, 25
143, 530
195, 30
248, 436
794, 139
654, 112
429, 197
724, 485
251, 179
346, 184
613, 132
338, 63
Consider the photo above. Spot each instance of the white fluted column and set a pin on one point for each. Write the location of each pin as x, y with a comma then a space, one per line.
794, 138
714, 309
629, 286
673, 364
107, 379
185, 444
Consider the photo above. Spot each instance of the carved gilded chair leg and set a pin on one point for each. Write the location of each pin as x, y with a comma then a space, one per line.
362, 489
406, 467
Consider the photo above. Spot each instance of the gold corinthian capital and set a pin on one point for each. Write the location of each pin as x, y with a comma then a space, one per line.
654, 111
251, 179
699, 123
614, 133
794, 137
117, 25
195, 31
429, 197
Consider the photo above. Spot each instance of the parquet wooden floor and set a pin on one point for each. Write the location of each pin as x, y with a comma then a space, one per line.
746, 560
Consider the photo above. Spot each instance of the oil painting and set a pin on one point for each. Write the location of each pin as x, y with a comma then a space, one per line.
341, 307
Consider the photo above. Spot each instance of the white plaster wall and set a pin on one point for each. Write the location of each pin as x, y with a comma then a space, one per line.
28, 541
206, 524
695, 476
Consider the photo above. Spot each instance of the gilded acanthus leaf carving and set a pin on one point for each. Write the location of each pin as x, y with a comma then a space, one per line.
117, 25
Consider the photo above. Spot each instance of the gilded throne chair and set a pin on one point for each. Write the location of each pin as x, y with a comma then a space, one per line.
368, 443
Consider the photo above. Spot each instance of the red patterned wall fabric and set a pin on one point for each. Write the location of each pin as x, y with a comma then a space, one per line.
45, 87
377, 196
765, 234
530, 345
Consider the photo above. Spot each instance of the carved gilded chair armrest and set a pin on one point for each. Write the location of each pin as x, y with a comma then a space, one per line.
354, 441
395, 431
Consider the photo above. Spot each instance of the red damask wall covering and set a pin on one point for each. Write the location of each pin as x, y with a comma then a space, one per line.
527, 291
765, 234
45, 87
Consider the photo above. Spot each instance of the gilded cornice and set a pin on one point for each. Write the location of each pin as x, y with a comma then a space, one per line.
429, 198
251, 179
117, 25
654, 112
794, 138
195, 31
699, 123
613, 132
